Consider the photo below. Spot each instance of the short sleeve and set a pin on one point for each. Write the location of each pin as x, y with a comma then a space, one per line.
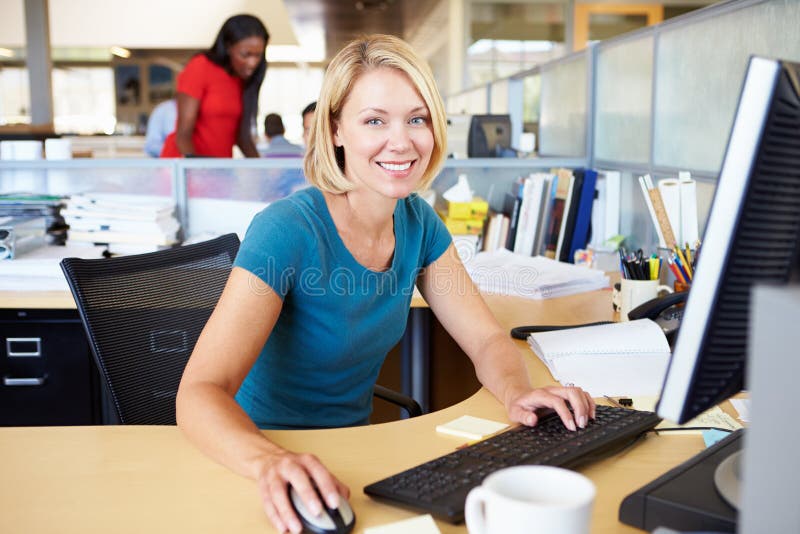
193, 78
435, 238
273, 245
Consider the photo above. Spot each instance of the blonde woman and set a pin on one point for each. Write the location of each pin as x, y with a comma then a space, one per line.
334, 266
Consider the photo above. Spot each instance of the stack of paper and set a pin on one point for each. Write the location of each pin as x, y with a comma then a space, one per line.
615, 359
502, 272
128, 224
39, 270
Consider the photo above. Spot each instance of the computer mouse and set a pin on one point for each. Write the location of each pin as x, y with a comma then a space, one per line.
331, 521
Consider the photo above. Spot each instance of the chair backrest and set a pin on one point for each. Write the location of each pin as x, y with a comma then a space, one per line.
143, 314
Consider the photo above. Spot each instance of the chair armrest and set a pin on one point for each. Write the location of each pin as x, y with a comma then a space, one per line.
407, 403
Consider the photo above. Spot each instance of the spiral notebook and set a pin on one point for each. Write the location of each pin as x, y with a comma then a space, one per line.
617, 359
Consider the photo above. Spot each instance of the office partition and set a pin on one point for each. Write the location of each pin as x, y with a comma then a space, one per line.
700, 66
217, 196
564, 110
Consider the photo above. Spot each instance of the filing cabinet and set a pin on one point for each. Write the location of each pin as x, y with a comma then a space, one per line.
48, 377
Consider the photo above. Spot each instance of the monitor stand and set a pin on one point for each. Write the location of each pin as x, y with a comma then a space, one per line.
686, 497
728, 479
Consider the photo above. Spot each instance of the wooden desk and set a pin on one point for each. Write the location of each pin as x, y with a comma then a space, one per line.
150, 479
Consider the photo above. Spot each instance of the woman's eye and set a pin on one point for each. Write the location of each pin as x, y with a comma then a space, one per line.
417, 120
374, 122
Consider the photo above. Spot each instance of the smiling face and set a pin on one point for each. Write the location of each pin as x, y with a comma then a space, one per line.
245, 56
384, 129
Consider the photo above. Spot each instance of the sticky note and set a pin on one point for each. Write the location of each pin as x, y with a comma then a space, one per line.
422, 524
470, 427
710, 437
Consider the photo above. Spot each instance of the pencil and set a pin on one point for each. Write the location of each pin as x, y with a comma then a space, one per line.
683, 263
675, 271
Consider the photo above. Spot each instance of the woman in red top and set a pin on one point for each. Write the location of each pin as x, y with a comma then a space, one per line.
217, 93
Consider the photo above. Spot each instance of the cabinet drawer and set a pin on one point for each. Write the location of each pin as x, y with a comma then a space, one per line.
46, 373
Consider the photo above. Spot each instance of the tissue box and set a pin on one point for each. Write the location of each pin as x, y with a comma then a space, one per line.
477, 208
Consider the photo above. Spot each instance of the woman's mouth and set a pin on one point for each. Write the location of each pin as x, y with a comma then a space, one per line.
397, 167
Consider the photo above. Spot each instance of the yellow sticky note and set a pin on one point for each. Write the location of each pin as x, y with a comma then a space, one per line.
470, 427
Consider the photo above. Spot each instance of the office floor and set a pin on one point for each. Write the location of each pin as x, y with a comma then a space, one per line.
452, 375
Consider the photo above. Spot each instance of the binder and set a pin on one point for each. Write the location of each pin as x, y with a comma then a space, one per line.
580, 234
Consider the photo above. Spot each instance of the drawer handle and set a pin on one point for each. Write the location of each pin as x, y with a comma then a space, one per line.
22, 382
24, 347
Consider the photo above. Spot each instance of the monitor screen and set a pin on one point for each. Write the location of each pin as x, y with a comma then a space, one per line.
489, 136
752, 236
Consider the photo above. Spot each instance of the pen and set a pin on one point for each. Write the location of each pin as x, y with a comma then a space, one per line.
683, 263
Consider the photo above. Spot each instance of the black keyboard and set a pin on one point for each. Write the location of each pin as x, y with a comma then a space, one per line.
440, 486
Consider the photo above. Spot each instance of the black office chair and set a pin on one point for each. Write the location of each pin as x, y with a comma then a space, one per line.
143, 314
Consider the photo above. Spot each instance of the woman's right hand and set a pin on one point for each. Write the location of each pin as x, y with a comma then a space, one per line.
301, 471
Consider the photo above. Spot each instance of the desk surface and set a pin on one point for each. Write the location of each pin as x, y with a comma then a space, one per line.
63, 300
150, 479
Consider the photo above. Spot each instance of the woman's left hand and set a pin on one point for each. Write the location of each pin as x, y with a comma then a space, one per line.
522, 404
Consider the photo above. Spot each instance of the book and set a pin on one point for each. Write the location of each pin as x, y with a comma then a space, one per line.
613, 359
582, 228
511, 205
107, 236
570, 214
548, 193
529, 214
563, 183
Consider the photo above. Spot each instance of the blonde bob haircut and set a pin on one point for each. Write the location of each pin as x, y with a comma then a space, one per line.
324, 163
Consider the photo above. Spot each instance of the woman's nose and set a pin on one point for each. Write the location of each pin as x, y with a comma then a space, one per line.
399, 138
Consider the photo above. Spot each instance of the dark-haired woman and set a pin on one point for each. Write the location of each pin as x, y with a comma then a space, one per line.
217, 93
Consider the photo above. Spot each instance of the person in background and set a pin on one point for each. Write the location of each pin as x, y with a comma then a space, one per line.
217, 94
308, 116
321, 287
278, 147
160, 124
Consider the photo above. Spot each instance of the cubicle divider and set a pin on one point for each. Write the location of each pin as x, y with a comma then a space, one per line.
656, 101
217, 196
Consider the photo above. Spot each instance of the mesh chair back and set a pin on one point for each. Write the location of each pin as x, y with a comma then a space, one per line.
143, 315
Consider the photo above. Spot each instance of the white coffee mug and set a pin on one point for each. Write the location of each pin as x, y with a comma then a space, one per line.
531, 499
636, 292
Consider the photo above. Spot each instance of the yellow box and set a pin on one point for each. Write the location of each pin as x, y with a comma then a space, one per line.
463, 226
474, 209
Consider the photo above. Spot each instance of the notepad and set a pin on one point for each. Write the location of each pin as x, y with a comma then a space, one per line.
470, 427
615, 359
422, 524
714, 417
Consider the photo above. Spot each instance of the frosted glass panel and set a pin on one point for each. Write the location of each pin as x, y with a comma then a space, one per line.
472, 102
623, 101
532, 97
226, 198
477, 101
562, 126
700, 73
499, 97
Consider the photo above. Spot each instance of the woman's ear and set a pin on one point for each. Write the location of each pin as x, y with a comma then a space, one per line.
337, 140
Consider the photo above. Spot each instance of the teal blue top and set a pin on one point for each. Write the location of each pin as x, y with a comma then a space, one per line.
339, 319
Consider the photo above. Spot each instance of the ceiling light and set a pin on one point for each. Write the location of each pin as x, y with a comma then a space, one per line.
120, 52
6, 52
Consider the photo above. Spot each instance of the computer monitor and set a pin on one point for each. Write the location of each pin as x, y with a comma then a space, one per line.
489, 136
752, 236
